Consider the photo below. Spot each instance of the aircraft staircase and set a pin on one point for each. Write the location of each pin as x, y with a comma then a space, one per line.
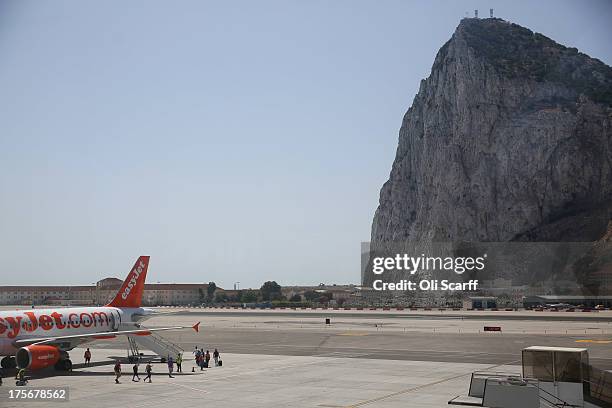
156, 343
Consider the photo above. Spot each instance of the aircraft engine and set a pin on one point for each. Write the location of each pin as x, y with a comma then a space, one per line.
36, 357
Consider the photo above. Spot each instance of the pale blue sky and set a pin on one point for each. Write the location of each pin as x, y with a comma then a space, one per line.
230, 140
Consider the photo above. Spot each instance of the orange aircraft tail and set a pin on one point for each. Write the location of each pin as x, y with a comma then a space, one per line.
130, 294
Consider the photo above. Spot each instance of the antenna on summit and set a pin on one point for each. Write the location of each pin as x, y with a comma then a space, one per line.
491, 12
475, 13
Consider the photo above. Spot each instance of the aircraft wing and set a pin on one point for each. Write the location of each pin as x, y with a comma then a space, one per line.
153, 313
72, 341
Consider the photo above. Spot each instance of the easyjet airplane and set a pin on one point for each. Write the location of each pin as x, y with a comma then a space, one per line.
38, 338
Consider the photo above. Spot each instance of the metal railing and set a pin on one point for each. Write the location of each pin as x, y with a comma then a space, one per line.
551, 399
133, 352
167, 344
598, 386
546, 398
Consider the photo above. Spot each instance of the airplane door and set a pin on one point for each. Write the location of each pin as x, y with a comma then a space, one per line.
115, 320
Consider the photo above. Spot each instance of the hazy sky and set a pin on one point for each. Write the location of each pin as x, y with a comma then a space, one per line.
230, 140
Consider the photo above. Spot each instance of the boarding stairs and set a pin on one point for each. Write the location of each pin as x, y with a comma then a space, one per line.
133, 352
157, 344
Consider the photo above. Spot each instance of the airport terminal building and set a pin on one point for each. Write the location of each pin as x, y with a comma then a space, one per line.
102, 292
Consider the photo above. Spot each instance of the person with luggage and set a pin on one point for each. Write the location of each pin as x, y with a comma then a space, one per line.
207, 358
216, 357
198, 357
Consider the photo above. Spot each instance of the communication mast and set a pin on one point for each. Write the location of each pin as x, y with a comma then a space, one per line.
491, 12
475, 13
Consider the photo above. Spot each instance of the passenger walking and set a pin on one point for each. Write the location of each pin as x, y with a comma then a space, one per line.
135, 375
1, 374
179, 361
117, 372
87, 357
200, 359
170, 366
149, 370
216, 357
207, 358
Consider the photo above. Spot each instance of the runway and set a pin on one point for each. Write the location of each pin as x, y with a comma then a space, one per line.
385, 337
523, 315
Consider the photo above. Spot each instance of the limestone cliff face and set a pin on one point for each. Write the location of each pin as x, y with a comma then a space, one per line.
594, 270
510, 138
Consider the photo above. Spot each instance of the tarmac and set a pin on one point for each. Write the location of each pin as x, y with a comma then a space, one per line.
274, 359
258, 380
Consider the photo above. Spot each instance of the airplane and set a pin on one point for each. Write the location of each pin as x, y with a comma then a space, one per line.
39, 338
558, 305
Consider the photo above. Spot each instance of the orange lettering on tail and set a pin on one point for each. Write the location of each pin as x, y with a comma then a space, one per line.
130, 294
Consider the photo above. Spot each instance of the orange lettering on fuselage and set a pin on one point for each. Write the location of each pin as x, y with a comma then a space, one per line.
46, 322
14, 326
58, 320
33, 322
74, 322
30, 322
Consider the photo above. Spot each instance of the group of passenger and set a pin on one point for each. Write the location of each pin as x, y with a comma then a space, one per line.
202, 360
135, 376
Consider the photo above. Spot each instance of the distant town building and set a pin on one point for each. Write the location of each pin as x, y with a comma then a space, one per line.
574, 300
102, 292
344, 292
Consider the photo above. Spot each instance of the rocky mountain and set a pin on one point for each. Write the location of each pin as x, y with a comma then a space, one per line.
508, 139
594, 270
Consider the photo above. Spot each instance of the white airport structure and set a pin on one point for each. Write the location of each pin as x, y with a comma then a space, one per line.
551, 377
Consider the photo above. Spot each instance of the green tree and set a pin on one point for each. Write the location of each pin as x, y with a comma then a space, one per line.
249, 296
325, 297
212, 286
311, 295
296, 298
201, 295
235, 297
210, 291
271, 290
